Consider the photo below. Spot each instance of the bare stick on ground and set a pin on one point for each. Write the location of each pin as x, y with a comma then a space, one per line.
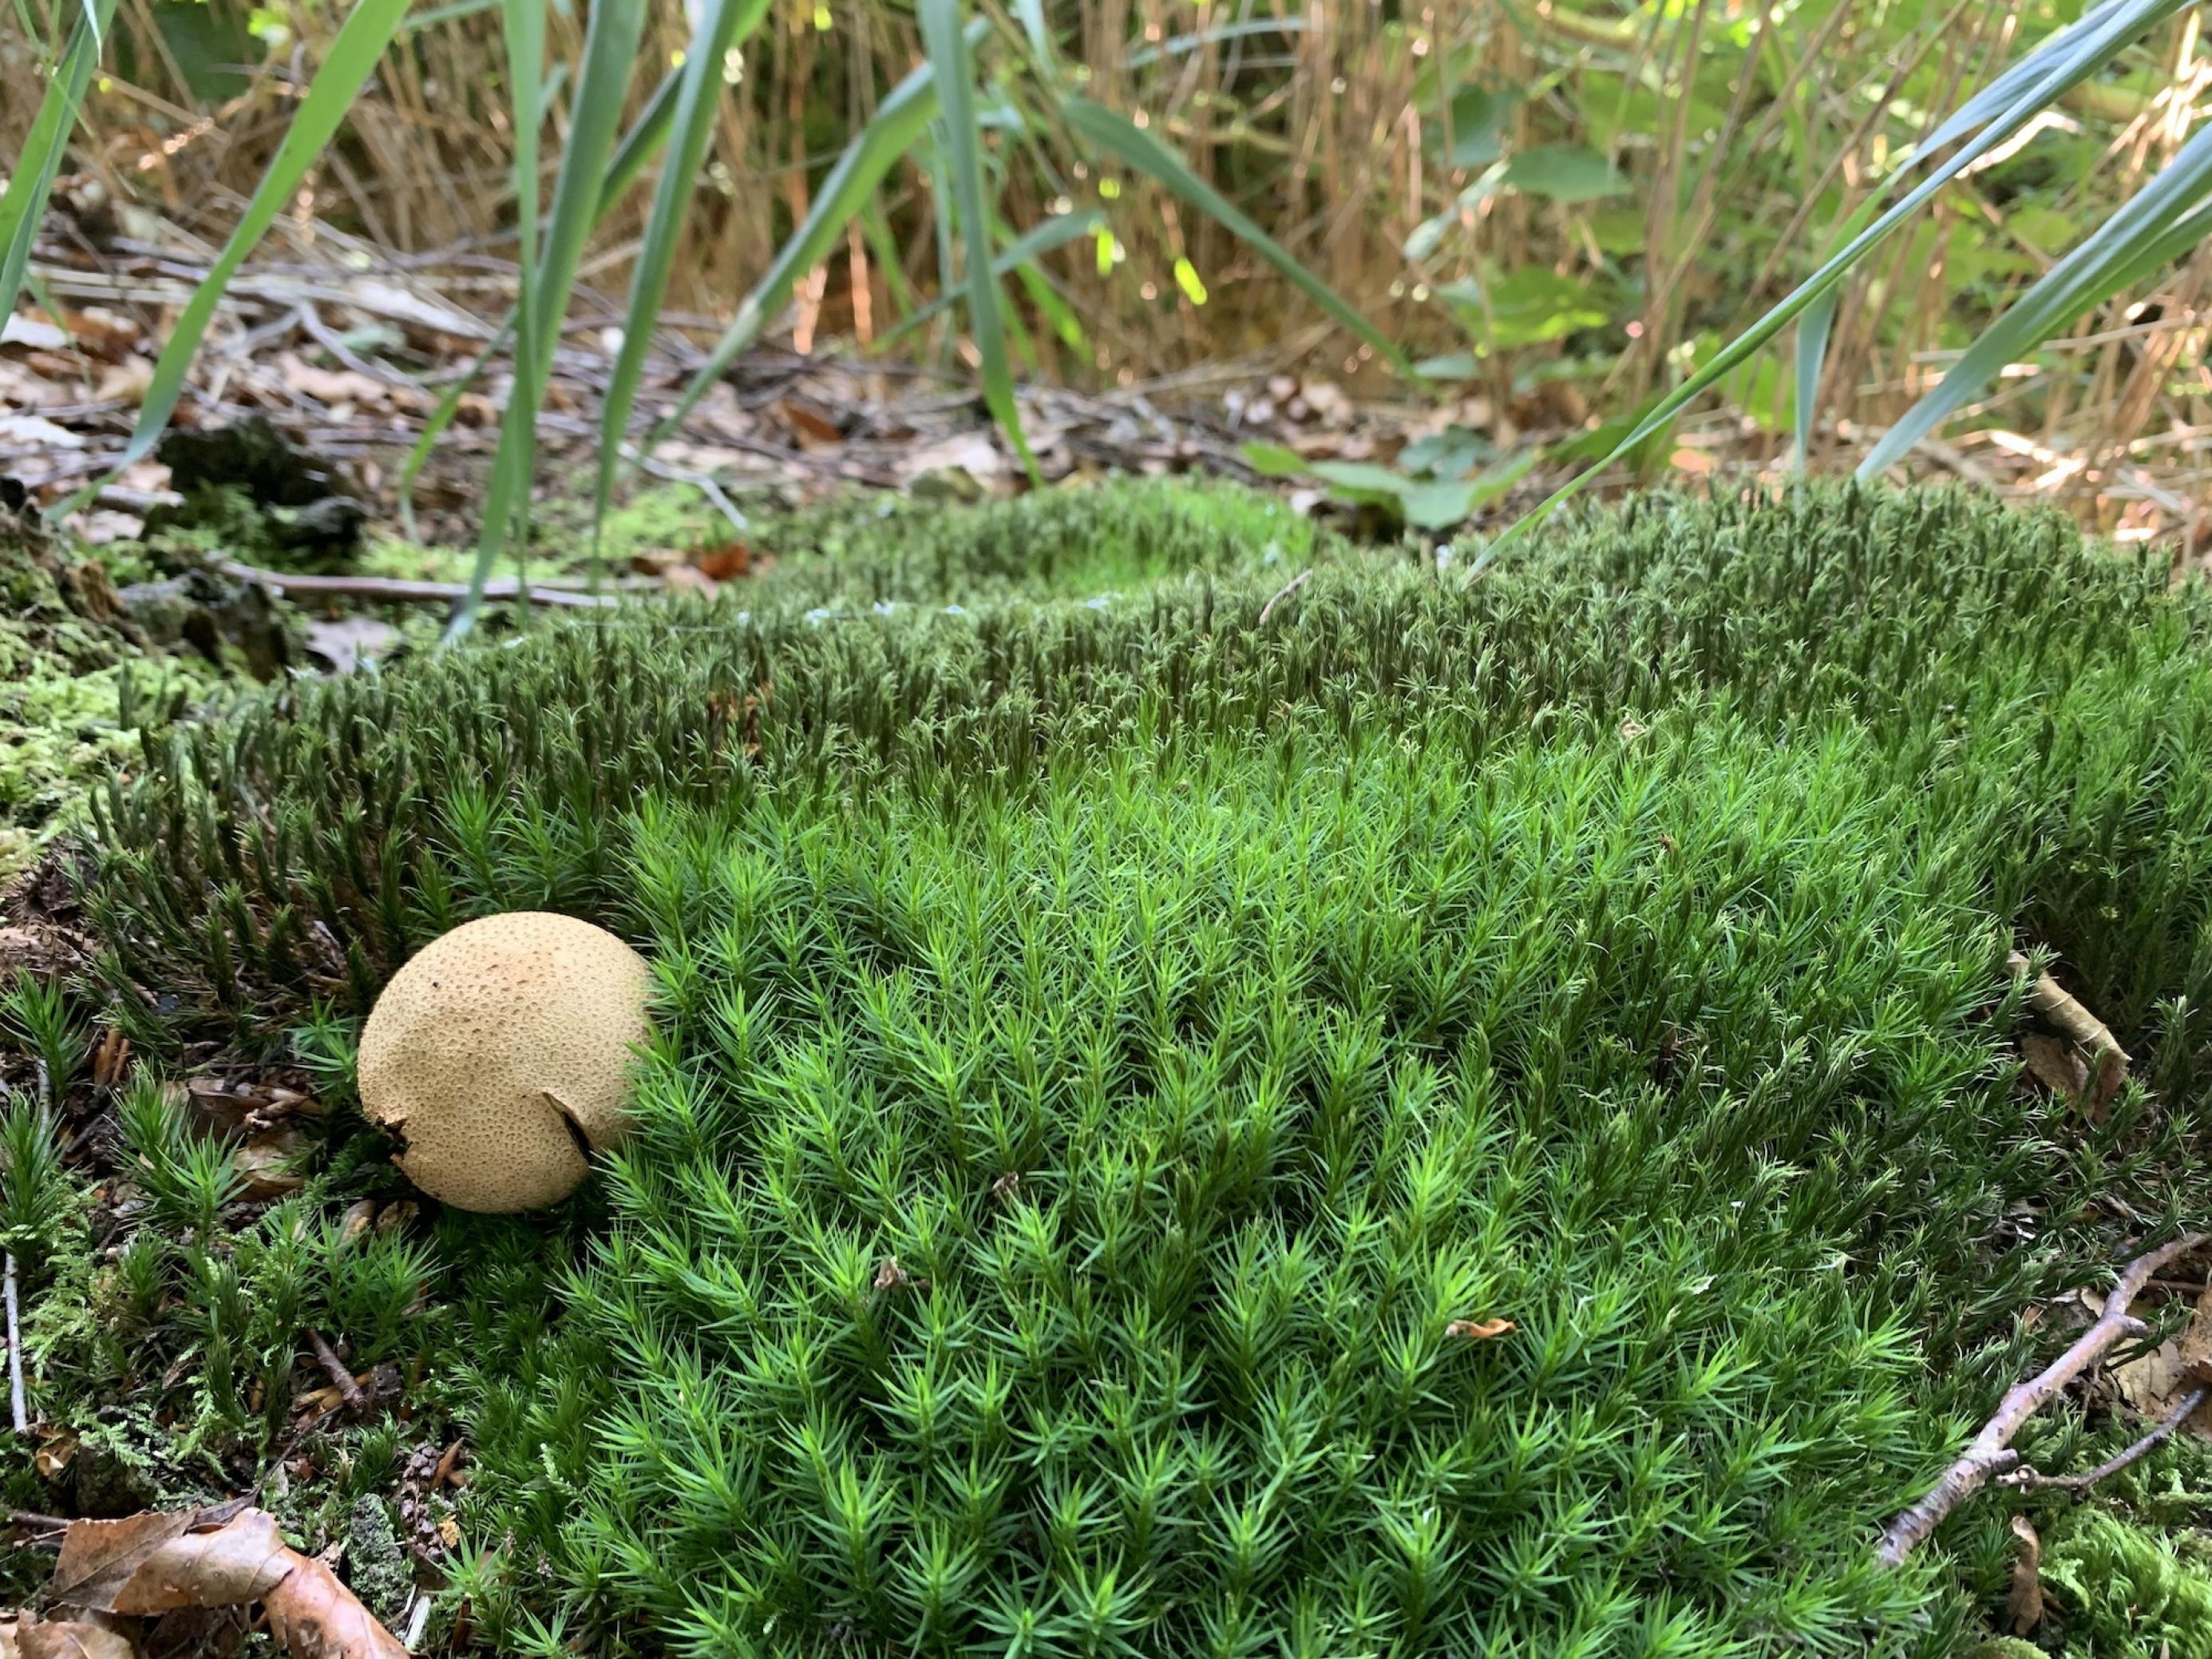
16, 1400
341, 1378
1991, 1452
1282, 593
2164, 1431
396, 588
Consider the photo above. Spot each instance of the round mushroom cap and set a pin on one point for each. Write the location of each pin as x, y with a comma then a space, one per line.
500, 1055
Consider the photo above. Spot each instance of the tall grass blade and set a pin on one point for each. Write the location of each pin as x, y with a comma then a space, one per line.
31, 178
1813, 330
525, 21
2162, 222
1136, 149
898, 126
721, 24
946, 42
2061, 70
1056, 232
639, 146
610, 51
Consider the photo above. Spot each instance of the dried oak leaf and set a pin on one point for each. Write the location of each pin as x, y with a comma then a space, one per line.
33, 1638
162, 1560
316, 1617
153, 1562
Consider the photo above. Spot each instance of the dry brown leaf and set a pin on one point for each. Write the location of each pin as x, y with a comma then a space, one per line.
34, 332
721, 563
2053, 1062
271, 1162
331, 385
688, 579
54, 1454
32, 1638
315, 1616
36, 432
2024, 1605
1479, 1330
124, 382
2149, 1382
154, 1563
2152, 1383
814, 429
151, 1563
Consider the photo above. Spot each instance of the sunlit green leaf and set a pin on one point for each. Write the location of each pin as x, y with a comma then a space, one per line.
1563, 173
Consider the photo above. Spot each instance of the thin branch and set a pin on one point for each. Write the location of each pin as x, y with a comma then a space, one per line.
1990, 1453
2164, 1431
397, 588
1282, 593
16, 1398
341, 1378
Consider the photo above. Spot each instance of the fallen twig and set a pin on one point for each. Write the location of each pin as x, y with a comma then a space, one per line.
17, 1403
1990, 1453
2162, 1431
341, 1378
399, 588
1282, 593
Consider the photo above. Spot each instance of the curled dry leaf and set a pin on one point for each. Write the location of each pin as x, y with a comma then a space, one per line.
2023, 1604
1479, 1330
165, 1560
33, 1638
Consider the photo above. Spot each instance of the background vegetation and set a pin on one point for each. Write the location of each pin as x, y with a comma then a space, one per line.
1561, 210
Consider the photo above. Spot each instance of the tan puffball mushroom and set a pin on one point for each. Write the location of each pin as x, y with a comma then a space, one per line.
500, 1054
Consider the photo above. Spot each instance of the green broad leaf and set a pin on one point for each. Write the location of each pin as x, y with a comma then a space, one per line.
1478, 125
721, 24
346, 68
1566, 174
1451, 366
946, 42
1420, 503
899, 124
611, 40
31, 176
1133, 148
1451, 453
1535, 305
1274, 460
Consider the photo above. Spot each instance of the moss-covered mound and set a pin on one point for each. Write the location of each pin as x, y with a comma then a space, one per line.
1401, 1115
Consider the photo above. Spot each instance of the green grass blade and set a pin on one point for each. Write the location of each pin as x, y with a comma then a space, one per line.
898, 126
1033, 244
2069, 70
524, 28
721, 24
2163, 220
2094, 37
353, 56
1134, 148
31, 178
639, 146
946, 42
610, 52
1813, 330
